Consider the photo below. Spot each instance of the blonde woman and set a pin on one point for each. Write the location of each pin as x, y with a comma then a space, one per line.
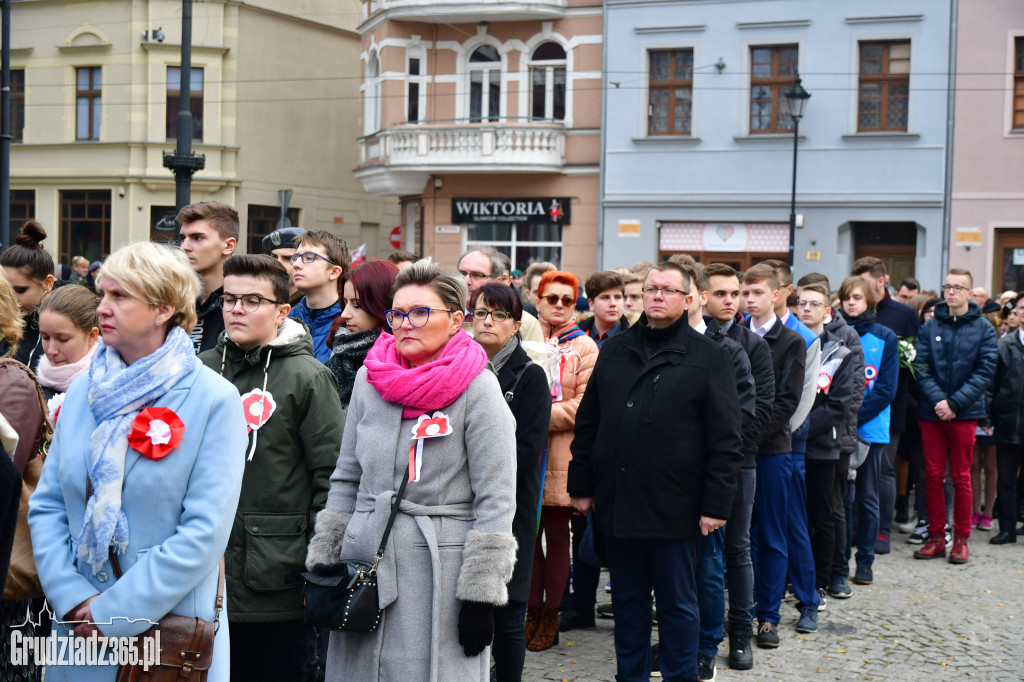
162, 502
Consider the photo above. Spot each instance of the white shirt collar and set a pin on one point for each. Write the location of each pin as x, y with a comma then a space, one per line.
766, 327
701, 327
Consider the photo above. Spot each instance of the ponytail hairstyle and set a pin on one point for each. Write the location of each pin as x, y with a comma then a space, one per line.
27, 255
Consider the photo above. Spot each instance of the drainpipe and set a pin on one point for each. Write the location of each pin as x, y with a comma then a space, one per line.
950, 101
604, 137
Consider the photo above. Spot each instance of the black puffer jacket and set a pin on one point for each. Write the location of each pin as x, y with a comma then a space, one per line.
958, 358
1005, 398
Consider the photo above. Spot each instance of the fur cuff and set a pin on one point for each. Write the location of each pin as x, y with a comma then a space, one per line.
325, 547
487, 563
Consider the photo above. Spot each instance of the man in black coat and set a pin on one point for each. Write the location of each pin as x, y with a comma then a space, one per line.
904, 323
655, 457
723, 289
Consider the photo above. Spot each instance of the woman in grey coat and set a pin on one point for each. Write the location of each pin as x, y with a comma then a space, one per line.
451, 551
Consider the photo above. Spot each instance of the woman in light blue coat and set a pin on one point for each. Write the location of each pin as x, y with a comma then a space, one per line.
161, 439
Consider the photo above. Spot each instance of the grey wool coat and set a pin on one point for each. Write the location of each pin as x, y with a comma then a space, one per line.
451, 541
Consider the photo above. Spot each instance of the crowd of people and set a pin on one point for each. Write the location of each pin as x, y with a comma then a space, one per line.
714, 438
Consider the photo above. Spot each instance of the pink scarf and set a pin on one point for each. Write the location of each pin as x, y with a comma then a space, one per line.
59, 377
428, 387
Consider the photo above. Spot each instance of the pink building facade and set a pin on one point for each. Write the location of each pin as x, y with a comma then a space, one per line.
987, 198
484, 119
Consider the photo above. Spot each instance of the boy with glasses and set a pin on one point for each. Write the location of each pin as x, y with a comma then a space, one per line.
295, 424
957, 348
319, 262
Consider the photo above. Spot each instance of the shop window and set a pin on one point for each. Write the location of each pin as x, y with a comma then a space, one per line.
88, 102
84, 224
547, 83
884, 86
484, 84
524, 243
773, 71
174, 102
163, 228
17, 104
262, 221
670, 99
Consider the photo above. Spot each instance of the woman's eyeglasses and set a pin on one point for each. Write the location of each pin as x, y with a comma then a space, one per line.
497, 315
417, 316
553, 299
250, 302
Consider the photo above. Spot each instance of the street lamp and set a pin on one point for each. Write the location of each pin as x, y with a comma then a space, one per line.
797, 98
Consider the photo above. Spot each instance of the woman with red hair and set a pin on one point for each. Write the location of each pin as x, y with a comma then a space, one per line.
365, 297
571, 360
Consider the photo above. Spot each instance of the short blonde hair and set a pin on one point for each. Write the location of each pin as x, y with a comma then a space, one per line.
449, 286
79, 260
11, 323
158, 275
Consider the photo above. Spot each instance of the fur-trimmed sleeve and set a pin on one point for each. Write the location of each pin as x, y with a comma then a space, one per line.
325, 547
487, 563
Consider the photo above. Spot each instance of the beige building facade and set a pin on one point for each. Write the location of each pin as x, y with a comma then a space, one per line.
274, 94
484, 118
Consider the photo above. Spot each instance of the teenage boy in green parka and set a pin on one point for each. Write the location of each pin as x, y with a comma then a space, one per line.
295, 424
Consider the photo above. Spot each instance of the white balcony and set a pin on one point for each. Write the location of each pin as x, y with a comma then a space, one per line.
463, 11
399, 160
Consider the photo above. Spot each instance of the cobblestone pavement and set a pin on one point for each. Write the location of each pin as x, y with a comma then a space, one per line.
920, 620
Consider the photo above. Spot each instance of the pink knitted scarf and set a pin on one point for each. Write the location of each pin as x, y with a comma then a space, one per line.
428, 387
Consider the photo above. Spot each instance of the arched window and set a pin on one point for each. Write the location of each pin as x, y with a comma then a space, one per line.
547, 83
371, 95
484, 84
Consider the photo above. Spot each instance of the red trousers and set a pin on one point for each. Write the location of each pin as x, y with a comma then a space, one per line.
953, 440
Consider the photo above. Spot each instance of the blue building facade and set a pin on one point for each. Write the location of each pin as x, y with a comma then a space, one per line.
698, 143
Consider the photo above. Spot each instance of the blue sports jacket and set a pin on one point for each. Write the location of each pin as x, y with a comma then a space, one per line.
319, 323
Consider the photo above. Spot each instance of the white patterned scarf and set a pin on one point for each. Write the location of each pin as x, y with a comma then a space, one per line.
117, 393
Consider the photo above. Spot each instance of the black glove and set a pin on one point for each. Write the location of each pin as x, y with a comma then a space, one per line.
476, 627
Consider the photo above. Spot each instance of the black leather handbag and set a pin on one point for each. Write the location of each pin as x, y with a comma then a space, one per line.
343, 596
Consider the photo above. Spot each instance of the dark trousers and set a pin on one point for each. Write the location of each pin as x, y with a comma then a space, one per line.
669, 567
865, 505
268, 651
841, 541
739, 568
821, 517
1008, 462
711, 590
887, 486
779, 539
585, 577
509, 648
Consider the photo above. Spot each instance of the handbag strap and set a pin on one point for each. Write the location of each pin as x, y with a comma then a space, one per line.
391, 521
511, 392
218, 604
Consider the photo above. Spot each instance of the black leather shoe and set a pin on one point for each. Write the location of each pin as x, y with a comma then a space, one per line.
1003, 538
570, 620
1020, 531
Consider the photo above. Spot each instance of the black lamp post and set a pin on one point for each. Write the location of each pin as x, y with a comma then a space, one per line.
797, 98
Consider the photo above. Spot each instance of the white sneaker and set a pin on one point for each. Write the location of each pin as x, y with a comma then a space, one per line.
907, 527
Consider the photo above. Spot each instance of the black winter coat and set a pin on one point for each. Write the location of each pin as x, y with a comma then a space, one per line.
851, 339
789, 355
760, 358
1005, 398
905, 324
657, 442
827, 422
531, 406
958, 355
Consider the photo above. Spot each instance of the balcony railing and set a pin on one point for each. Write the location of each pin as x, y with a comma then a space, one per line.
464, 11
405, 156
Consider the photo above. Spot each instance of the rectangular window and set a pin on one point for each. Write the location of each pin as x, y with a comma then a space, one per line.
548, 93
773, 71
524, 243
484, 95
174, 102
88, 103
413, 114
670, 100
884, 86
23, 207
84, 224
262, 220
1018, 85
17, 104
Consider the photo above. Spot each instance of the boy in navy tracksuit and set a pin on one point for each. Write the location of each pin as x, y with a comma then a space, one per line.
881, 373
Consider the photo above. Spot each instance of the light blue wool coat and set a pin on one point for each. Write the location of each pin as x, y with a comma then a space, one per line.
179, 510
